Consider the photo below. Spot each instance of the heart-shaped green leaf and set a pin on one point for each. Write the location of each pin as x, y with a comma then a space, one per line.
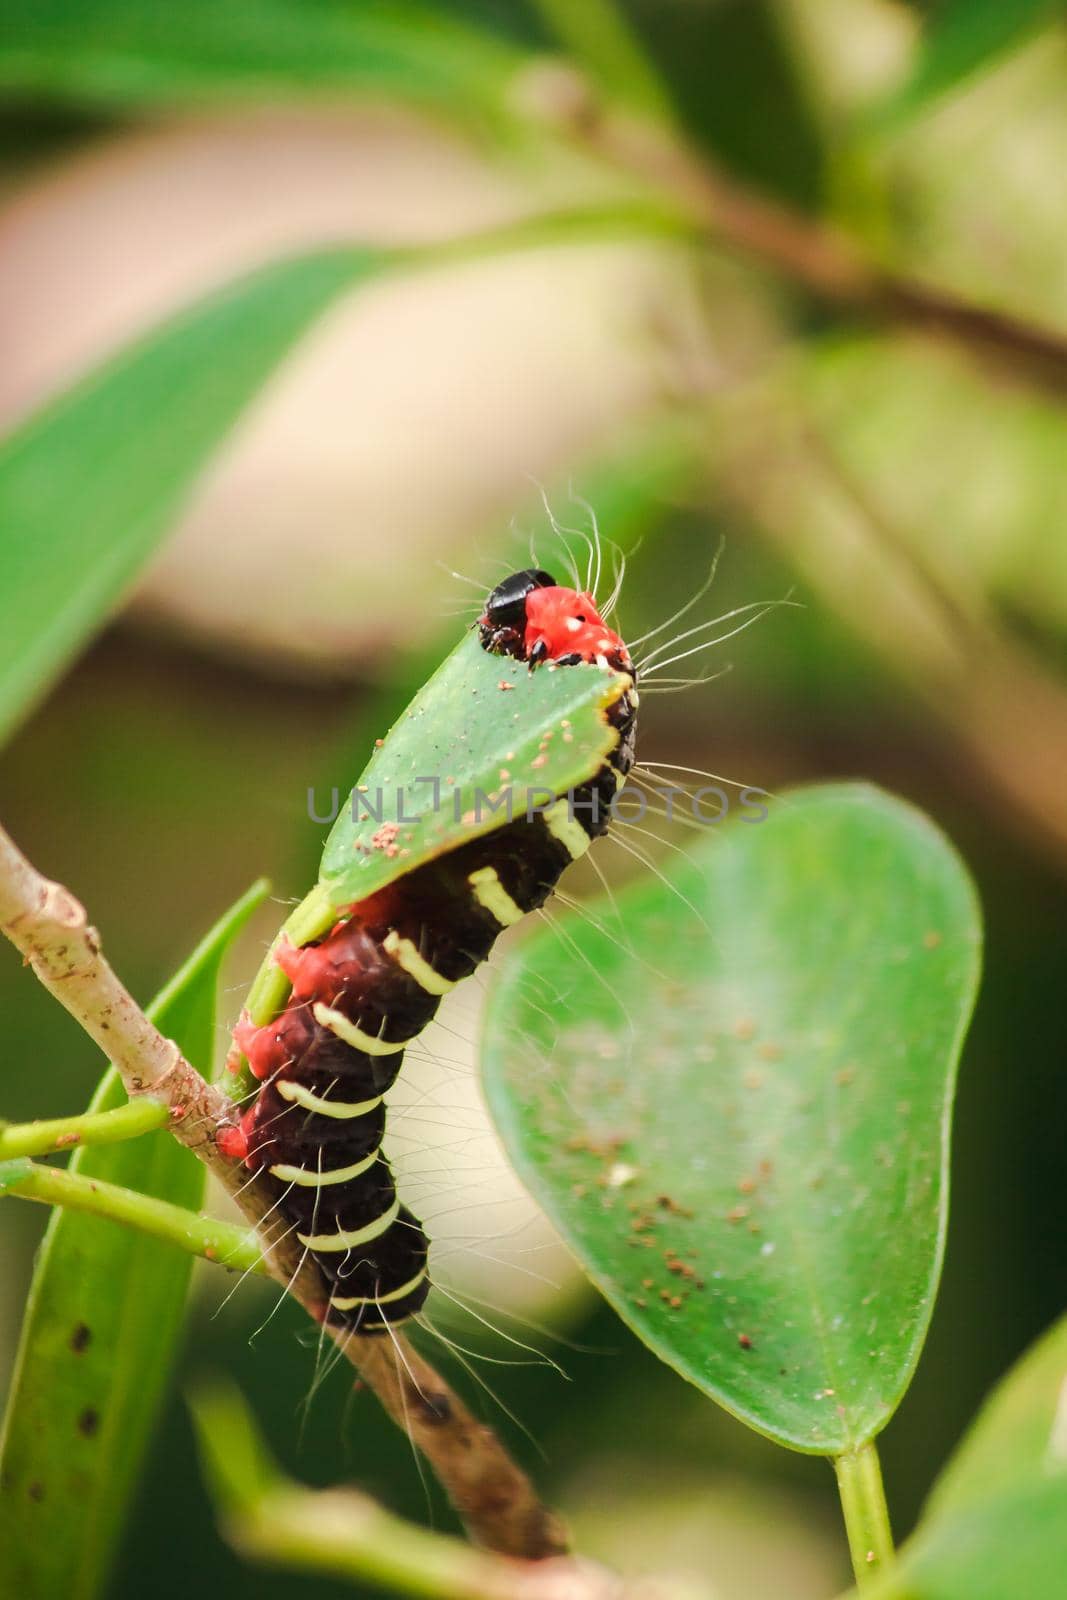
101, 1331
734, 1103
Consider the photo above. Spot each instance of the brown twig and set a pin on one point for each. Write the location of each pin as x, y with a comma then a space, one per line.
800, 248
826, 263
831, 267
494, 1497
1007, 715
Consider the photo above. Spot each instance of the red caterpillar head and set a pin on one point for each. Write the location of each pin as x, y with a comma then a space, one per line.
531, 617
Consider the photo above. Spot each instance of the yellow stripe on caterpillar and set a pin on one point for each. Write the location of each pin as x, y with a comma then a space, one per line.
332, 1242
342, 1109
350, 1302
491, 894
339, 1024
407, 956
566, 829
315, 1177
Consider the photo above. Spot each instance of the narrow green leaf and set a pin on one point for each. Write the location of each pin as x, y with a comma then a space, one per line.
123, 52
100, 1333
995, 1527
736, 1109
962, 37
88, 487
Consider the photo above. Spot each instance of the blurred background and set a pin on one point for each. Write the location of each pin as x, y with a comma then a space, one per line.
884, 442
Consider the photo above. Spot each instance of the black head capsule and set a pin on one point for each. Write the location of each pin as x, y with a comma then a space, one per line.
503, 622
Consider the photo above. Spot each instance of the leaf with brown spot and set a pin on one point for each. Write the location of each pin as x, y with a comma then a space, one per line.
811, 1297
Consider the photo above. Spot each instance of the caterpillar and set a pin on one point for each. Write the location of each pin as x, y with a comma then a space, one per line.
369, 984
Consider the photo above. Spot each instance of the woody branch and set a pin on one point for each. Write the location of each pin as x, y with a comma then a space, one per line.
814, 256
49, 926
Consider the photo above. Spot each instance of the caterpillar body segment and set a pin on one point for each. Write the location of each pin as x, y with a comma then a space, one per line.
372, 981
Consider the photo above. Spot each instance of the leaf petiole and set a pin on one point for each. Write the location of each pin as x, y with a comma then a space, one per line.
44, 1138
859, 1483
221, 1242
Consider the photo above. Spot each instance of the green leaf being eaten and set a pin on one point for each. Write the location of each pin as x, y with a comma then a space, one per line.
484, 735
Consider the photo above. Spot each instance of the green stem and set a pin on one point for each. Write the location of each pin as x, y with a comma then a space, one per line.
222, 1242
859, 1483
343, 1534
623, 221
339, 1534
143, 1115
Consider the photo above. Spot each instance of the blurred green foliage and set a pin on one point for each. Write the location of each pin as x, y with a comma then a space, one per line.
88, 488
